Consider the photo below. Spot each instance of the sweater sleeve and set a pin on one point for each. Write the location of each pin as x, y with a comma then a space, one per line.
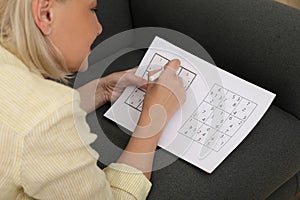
58, 163
127, 181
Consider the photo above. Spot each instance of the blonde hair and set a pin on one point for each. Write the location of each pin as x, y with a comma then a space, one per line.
20, 35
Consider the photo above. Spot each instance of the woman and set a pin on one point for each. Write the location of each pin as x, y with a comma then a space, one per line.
42, 155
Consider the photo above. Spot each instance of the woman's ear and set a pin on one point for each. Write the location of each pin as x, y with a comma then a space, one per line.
43, 15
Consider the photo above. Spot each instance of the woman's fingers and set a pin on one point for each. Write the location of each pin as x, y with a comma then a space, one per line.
172, 67
128, 77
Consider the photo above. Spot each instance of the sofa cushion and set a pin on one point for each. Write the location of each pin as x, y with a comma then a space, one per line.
286, 191
254, 39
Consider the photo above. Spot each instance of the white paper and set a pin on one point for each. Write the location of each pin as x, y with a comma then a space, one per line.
220, 109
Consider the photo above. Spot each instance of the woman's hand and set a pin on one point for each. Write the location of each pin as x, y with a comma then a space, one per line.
107, 89
115, 83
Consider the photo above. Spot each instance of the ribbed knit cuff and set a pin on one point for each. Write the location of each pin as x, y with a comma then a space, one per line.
129, 179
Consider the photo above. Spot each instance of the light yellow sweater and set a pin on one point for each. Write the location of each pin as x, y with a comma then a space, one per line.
42, 150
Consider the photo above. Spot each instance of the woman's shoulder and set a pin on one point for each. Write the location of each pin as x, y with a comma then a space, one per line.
27, 97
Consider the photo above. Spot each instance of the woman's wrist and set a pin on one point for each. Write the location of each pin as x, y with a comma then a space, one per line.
151, 123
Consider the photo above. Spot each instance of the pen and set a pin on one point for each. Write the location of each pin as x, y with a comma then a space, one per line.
155, 76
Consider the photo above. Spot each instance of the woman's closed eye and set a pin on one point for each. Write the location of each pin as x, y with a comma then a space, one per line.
95, 9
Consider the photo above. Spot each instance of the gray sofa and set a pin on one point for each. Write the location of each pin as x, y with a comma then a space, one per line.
257, 40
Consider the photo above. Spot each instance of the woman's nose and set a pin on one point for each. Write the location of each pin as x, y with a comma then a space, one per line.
99, 28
